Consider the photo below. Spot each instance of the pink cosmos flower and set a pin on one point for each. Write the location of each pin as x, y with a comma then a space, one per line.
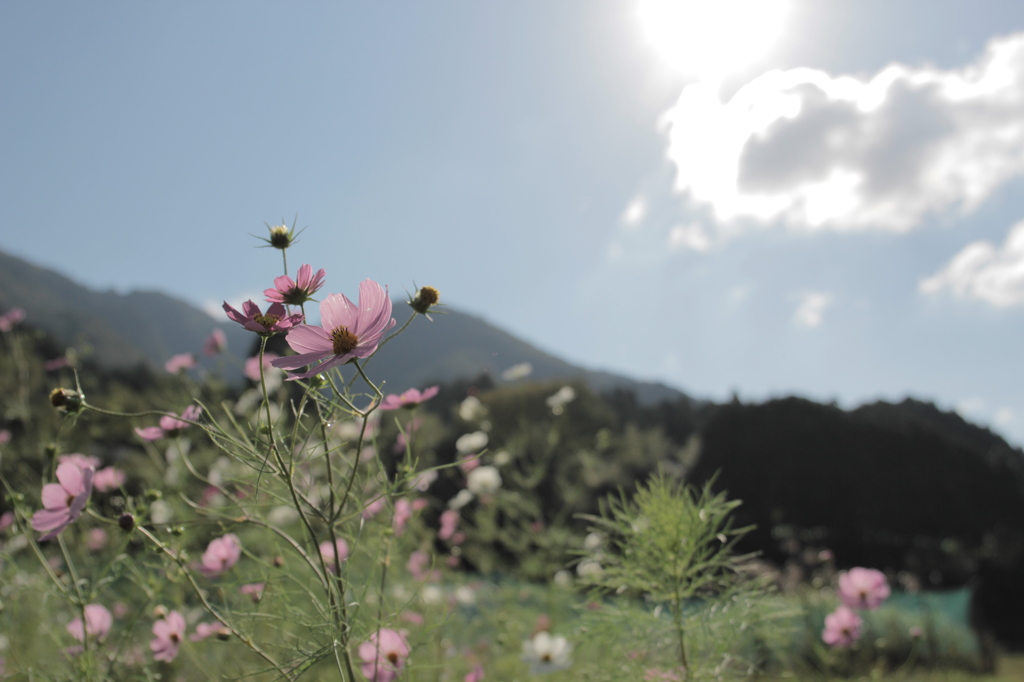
276, 319
405, 434
449, 524
348, 331
179, 362
411, 617
474, 675
842, 627
863, 588
107, 479
97, 623
296, 291
96, 540
204, 630
254, 590
63, 502
403, 512
6, 520
327, 552
168, 633
172, 425
149, 433
469, 462
417, 564
410, 398
220, 555
252, 365
5, 436
11, 318
384, 655
372, 508
215, 343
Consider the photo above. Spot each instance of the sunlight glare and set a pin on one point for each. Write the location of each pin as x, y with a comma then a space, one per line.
711, 39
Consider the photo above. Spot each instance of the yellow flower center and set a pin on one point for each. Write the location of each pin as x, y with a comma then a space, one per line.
267, 321
429, 295
343, 340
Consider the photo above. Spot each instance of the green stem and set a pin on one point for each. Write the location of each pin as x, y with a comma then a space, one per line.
339, 609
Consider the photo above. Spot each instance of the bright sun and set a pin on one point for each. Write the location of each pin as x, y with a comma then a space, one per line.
711, 38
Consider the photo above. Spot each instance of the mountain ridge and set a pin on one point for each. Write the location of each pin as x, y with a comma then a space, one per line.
121, 330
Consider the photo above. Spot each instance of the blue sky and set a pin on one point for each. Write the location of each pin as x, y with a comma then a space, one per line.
831, 216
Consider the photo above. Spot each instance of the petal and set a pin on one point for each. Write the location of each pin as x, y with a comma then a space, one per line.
337, 311
372, 300
317, 281
301, 277
55, 497
233, 314
390, 402
310, 339
273, 296
48, 519
277, 310
150, 433
71, 478
250, 309
296, 361
284, 283
322, 367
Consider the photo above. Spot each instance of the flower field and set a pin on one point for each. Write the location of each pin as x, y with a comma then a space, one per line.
314, 525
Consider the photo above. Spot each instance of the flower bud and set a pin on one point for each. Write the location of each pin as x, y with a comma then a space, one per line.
67, 400
281, 237
126, 521
424, 298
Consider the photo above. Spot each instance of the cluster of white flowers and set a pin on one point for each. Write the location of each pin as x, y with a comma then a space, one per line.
483, 480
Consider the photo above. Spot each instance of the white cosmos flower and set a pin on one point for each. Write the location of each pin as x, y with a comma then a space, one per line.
564, 395
431, 594
461, 500
483, 480
160, 512
592, 541
471, 442
589, 568
546, 654
472, 409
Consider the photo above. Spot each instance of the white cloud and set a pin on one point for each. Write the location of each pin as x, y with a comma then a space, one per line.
634, 213
692, 236
843, 153
811, 309
983, 272
972, 406
1003, 416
